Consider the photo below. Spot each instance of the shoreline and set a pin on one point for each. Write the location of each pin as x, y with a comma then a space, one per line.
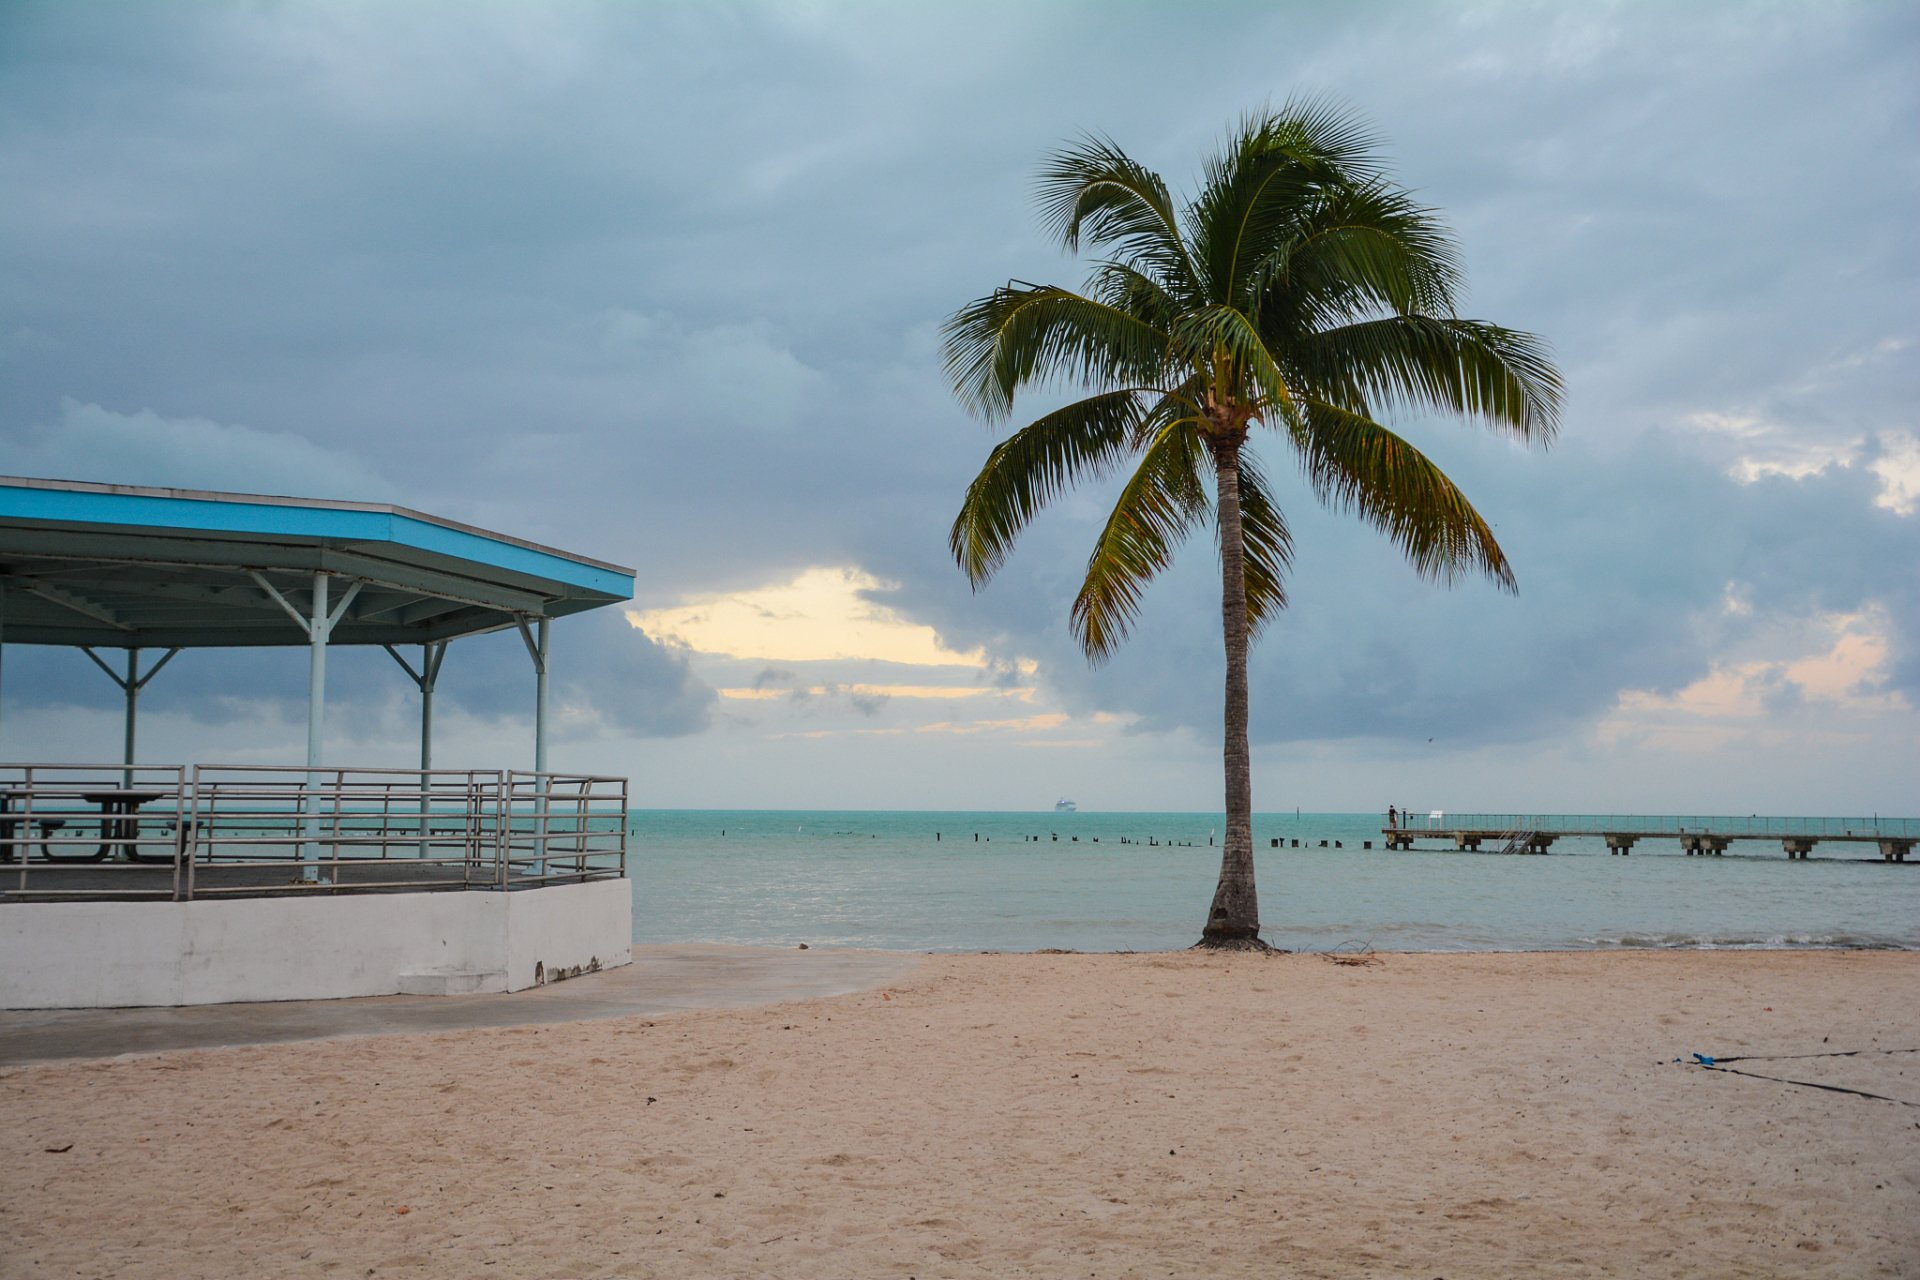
666, 979
1461, 1114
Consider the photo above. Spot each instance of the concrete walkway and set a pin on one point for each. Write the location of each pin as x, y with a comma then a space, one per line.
661, 980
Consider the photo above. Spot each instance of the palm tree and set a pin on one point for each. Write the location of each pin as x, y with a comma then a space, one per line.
1300, 291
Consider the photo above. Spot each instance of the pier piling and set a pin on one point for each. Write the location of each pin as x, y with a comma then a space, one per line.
1699, 835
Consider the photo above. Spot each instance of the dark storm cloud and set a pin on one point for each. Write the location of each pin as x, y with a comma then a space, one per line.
638, 688
1638, 568
661, 284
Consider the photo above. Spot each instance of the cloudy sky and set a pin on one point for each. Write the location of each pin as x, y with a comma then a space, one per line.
661, 284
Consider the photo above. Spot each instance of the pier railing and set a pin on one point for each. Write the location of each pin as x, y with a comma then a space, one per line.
1587, 824
100, 831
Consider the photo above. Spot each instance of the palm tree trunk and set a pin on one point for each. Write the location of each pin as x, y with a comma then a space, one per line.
1234, 920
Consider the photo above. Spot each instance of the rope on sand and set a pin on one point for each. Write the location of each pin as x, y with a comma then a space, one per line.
1702, 1061
1782, 1057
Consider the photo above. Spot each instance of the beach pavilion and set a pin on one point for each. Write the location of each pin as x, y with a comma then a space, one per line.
170, 884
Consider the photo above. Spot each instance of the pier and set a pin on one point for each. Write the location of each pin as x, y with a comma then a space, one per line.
1698, 835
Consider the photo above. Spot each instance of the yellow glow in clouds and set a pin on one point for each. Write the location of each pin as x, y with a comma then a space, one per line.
818, 616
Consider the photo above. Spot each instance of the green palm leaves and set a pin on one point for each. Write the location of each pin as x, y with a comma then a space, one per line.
1298, 291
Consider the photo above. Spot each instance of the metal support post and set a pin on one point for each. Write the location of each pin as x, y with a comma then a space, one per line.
319, 628
431, 656
131, 684
540, 706
316, 720
316, 670
538, 650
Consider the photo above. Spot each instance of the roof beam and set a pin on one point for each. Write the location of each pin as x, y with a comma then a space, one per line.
293, 558
69, 600
257, 631
447, 586
299, 618
380, 574
425, 610
140, 601
236, 596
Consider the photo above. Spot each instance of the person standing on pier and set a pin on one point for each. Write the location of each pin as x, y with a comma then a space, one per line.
1393, 817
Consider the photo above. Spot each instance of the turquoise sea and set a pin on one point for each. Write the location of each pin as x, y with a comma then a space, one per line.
1092, 882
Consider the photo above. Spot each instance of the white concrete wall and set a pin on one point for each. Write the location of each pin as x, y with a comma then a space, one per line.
81, 955
548, 935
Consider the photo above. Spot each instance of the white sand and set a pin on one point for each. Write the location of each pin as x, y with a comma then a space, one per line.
1168, 1115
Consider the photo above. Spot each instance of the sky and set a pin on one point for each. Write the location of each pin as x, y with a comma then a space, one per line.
662, 283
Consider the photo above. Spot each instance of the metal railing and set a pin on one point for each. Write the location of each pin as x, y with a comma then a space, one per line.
1872, 828
335, 828
121, 822
99, 831
562, 827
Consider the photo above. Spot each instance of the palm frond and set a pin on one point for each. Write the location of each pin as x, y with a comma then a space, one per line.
1300, 287
1201, 337
1240, 215
1126, 288
1094, 192
1276, 168
1353, 253
1502, 376
1029, 469
1026, 334
1313, 129
1176, 405
1267, 545
1357, 466
1161, 504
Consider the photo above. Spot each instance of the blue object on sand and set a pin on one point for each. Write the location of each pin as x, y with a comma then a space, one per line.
1703, 1059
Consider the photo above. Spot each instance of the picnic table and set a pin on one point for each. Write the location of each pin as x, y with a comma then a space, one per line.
119, 827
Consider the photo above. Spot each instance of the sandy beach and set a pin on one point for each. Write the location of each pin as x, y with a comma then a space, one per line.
1485, 1115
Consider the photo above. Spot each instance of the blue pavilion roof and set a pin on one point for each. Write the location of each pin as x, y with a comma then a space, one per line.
126, 567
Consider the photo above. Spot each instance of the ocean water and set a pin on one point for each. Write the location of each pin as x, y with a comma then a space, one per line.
1092, 882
